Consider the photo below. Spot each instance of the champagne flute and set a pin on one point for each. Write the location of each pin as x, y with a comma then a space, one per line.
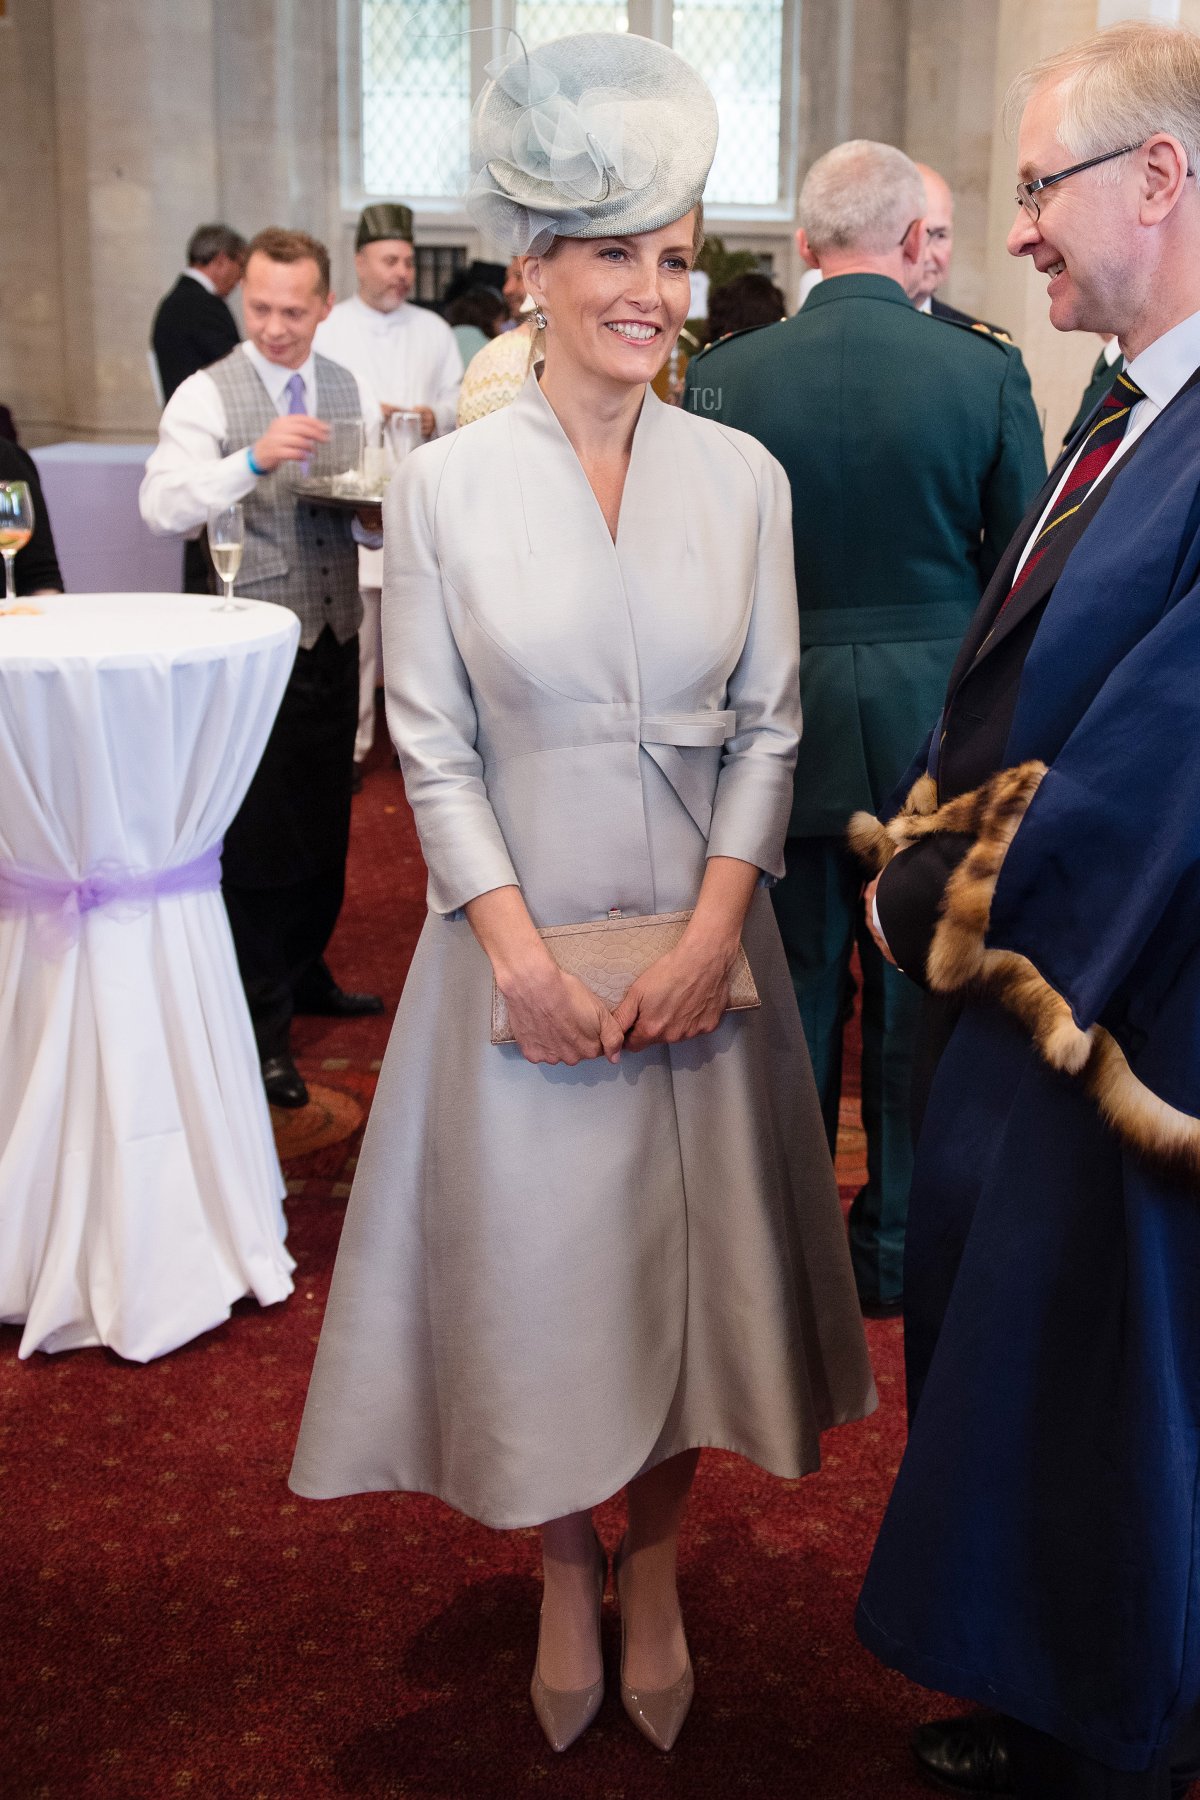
226, 541
16, 528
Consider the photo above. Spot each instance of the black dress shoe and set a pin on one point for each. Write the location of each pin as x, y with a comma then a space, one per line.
334, 1002
964, 1756
284, 1082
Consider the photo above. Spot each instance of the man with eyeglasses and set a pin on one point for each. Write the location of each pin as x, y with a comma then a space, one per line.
1040, 1553
933, 266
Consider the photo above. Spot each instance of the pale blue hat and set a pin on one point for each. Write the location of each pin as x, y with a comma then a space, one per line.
596, 135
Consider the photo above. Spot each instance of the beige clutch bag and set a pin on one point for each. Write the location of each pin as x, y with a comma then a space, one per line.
608, 955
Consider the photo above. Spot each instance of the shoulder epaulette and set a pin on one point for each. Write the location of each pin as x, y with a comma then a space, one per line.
991, 334
731, 337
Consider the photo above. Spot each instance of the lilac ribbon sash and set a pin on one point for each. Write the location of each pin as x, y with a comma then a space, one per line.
61, 903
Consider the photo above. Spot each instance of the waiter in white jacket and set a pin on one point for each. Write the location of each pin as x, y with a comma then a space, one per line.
406, 358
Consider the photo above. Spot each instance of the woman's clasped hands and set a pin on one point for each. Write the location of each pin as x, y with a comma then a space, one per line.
558, 1019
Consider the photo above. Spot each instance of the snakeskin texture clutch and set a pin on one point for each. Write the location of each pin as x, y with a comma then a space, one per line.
608, 955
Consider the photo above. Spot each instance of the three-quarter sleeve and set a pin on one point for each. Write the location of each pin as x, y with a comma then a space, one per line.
754, 789
430, 710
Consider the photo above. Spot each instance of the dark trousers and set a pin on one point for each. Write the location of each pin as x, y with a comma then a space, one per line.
199, 576
280, 936
818, 906
1044, 1769
284, 867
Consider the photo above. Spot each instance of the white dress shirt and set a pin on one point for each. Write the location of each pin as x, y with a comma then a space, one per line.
1160, 371
202, 278
186, 476
404, 358
407, 357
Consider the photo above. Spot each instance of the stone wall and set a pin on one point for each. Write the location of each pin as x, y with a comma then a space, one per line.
131, 121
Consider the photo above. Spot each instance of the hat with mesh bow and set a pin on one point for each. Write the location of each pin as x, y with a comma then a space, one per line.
598, 135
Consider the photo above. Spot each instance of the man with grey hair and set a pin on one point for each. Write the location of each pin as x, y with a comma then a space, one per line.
937, 247
193, 327
1040, 1553
912, 453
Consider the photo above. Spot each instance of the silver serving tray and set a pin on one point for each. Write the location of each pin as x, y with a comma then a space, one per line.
320, 493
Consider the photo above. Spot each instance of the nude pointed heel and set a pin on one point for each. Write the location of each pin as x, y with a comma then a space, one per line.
658, 1713
564, 1714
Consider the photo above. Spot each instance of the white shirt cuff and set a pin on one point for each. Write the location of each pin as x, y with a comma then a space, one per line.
875, 917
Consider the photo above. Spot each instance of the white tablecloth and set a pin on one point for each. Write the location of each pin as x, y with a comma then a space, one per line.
91, 494
140, 1192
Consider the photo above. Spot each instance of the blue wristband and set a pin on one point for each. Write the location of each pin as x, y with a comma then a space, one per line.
254, 468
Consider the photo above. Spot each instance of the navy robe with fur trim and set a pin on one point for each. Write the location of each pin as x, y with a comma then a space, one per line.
1039, 1554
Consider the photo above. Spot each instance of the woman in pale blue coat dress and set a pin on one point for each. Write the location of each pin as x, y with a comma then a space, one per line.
570, 1262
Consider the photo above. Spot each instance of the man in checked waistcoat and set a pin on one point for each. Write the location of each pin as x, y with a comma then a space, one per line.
247, 429
912, 451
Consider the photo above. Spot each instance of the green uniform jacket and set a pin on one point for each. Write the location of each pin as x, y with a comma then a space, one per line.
913, 449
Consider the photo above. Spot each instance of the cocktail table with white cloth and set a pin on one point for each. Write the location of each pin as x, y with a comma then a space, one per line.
140, 1192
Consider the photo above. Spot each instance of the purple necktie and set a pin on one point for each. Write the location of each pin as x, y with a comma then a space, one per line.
295, 393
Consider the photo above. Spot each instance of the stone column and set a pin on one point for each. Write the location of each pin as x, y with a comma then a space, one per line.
853, 71
951, 57
137, 171
166, 113
276, 116
852, 74
31, 321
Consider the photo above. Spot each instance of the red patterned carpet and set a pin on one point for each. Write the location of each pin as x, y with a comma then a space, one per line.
176, 1623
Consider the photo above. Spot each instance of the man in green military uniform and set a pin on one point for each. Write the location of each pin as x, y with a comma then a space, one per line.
912, 453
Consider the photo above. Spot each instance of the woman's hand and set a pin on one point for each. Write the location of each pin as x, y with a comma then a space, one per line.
682, 995
555, 1018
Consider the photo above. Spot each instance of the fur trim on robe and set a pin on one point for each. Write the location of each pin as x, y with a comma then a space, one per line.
960, 961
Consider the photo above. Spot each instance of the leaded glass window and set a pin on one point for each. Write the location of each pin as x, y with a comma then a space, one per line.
540, 20
739, 51
416, 95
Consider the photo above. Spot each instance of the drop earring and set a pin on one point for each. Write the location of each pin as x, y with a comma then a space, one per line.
540, 319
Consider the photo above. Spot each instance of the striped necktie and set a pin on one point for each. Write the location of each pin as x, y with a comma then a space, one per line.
1097, 451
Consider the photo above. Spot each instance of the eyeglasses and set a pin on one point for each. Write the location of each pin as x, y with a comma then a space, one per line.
1027, 191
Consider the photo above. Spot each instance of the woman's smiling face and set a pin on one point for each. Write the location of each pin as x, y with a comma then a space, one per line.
615, 305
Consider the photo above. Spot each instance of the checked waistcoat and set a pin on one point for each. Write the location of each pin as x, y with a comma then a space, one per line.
296, 554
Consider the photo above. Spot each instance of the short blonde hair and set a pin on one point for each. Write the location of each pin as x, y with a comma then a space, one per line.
860, 196
281, 246
1120, 86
